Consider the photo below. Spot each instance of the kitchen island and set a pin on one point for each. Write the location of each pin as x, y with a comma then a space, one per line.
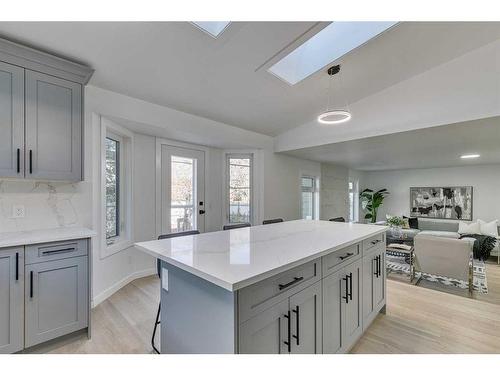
295, 287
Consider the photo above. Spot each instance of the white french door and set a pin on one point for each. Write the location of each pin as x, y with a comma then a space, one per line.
182, 189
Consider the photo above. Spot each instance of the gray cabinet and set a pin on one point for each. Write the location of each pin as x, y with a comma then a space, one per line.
11, 299
11, 121
374, 285
291, 326
53, 128
342, 316
56, 299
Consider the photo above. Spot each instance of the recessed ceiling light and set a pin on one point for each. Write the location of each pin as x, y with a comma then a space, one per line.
470, 156
212, 28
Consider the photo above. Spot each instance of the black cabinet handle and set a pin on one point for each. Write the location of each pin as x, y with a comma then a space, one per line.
376, 266
287, 343
346, 297
375, 242
380, 265
31, 161
295, 280
17, 266
350, 286
31, 284
296, 337
51, 252
201, 212
18, 160
346, 256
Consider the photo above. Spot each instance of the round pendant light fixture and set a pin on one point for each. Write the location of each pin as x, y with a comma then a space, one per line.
334, 116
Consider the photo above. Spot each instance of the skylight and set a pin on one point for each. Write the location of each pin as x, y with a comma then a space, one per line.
331, 43
213, 28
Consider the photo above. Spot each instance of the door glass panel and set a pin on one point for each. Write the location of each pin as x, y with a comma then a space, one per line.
239, 189
182, 194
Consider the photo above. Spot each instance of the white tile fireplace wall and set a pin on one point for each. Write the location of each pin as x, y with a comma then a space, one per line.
46, 205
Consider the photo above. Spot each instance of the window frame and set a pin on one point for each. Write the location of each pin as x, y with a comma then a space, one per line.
354, 207
124, 239
251, 204
315, 196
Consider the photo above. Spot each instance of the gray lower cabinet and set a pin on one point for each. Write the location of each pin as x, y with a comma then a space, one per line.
53, 110
11, 120
374, 286
293, 325
342, 314
56, 299
11, 299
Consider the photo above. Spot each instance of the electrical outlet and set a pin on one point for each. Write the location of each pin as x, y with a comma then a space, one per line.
18, 211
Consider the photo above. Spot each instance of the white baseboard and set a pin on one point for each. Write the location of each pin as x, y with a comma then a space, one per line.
120, 284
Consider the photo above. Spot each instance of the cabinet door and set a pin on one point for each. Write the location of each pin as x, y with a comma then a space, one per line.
53, 128
56, 299
11, 121
369, 270
333, 291
379, 284
306, 321
352, 308
266, 332
11, 299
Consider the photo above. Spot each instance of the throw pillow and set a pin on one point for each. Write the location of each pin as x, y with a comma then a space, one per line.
472, 228
488, 229
412, 221
406, 224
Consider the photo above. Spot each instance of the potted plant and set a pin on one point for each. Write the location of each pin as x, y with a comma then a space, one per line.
371, 201
396, 223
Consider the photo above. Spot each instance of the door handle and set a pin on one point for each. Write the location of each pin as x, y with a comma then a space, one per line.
380, 265
17, 266
376, 266
287, 343
31, 284
18, 160
350, 286
346, 297
296, 337
346, 256
201, 212
31, 161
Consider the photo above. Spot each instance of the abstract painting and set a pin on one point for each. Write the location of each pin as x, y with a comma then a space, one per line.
453, 203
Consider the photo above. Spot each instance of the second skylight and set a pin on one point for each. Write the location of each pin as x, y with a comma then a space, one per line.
327, 46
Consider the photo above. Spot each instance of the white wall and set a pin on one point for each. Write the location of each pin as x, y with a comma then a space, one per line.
485, 180
334, 191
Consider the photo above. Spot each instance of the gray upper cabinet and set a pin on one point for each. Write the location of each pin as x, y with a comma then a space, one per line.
11, 299
53, 128
56, 299
11, 120
306, 321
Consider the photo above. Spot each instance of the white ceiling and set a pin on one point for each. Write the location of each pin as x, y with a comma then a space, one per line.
439, 146
176, 65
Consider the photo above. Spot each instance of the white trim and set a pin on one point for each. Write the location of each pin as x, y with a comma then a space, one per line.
104, 295
257, 173
126, 240
190, 146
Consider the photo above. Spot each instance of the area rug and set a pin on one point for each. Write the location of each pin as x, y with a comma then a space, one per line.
398, 265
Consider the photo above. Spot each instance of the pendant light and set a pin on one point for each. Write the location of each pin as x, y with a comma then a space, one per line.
334, 116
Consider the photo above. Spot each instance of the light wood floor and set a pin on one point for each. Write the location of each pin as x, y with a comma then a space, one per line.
418, 320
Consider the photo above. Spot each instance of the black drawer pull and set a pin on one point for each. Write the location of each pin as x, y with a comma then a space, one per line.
58, 251
346, 256
17, 266
294, 281
18, 160
296, 337
287, 343
375, 242
31, 284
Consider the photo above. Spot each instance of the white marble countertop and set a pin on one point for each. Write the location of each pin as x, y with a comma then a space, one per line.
237, 258
44, 235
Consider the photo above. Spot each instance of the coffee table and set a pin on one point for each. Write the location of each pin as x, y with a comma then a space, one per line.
409, 256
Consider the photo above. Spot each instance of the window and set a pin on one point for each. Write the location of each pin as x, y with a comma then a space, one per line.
212, 28
112, 172
116, 188
182, 202
353, 201
325, 47
309, 198
239, 172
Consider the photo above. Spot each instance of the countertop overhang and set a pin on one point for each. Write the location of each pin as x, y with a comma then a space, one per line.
237, 258
9, 239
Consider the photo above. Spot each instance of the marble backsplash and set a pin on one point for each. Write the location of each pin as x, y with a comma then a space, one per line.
46, 205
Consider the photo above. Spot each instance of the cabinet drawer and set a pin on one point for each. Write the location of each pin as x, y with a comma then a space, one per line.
55, 250
373, 242
332, 262
264, 294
